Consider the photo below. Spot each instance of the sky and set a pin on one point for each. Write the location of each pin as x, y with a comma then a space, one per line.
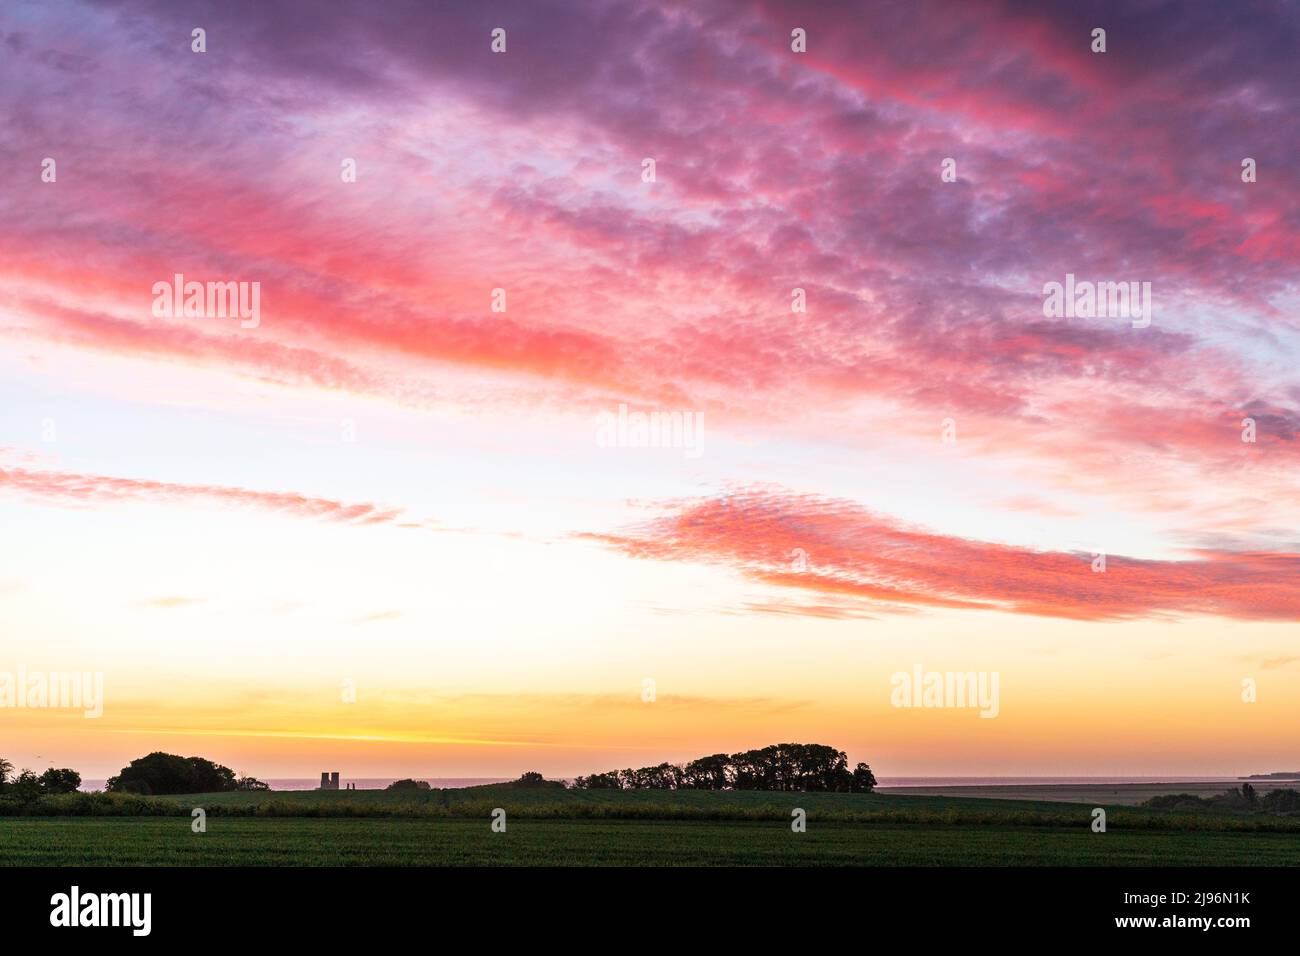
402, 520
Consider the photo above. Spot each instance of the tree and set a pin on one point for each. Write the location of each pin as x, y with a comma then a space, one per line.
709, 773
6, 768
534, 780
748, 771
598, 781
863, 779
26, 786
59, 781
251, 783
160, 773
408, 784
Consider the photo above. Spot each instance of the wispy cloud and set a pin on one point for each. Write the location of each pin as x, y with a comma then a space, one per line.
378, 616
69, 488
866, 562
171, 602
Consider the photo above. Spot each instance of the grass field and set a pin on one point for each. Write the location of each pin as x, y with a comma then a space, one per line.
559, 827
1100, 794
878, 807
115, 841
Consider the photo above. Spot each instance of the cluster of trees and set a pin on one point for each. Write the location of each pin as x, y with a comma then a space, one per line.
27, 785
408, 784
533, 780
806, 767
1244, 797
160, 773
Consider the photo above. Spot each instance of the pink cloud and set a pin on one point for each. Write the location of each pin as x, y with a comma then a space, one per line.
775, 170
818, 550
58, 487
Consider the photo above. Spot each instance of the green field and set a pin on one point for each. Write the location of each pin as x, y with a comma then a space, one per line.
700, 805
115, 841
1101, 794
631, 827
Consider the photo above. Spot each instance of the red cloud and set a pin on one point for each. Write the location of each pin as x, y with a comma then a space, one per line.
924, 296
852, 561
59, 486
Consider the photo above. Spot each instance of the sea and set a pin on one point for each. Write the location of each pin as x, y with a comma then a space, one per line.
378, 783
362, 783
884, 782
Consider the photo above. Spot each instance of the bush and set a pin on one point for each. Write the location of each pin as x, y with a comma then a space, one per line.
1175, 801
534, 780
60, 781
89, 805
1244, 799
1281, 801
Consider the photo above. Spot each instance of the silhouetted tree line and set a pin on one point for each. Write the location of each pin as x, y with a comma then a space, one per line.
160, 773
27, 785
809, 767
